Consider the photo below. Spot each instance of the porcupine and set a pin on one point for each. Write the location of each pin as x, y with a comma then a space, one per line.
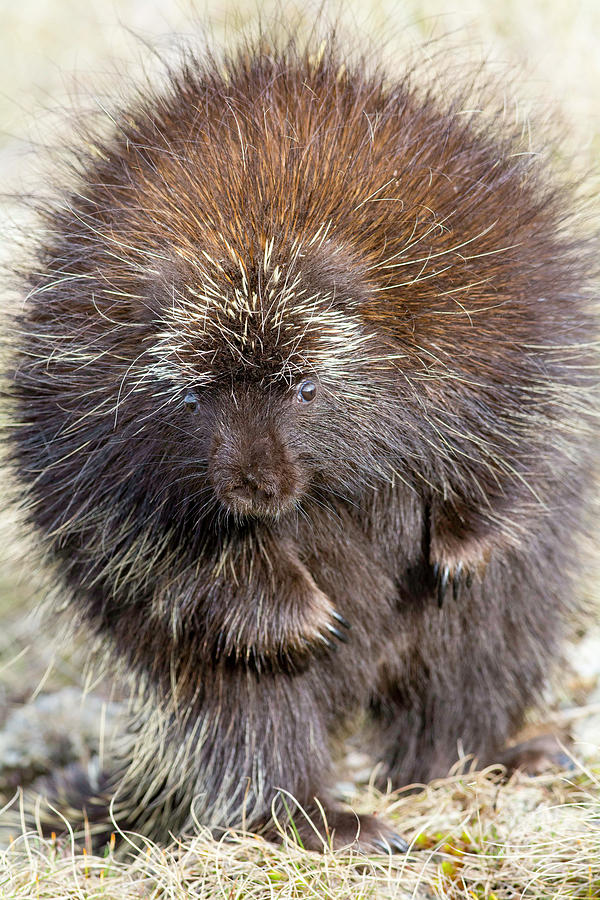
306, 364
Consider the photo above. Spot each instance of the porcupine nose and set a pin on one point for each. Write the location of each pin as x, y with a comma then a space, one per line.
254, 474
257, 484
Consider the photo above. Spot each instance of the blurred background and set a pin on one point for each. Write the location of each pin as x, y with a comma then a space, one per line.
57, 55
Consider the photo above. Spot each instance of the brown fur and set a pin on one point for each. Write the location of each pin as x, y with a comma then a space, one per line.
285, 217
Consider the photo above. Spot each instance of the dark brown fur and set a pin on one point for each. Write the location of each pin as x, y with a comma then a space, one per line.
255, 224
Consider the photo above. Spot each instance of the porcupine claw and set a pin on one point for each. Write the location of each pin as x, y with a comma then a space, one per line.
326, 642
331, 630
393, 843
443, 578
341, 619
338, 634
456, 581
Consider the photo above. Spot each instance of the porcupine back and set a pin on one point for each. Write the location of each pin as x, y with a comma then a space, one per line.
279, 213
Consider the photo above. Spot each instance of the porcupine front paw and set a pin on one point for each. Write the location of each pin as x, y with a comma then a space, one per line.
310, 622
323, 627
286, 629
309, 625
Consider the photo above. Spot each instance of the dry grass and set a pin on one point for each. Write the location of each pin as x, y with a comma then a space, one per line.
471, 837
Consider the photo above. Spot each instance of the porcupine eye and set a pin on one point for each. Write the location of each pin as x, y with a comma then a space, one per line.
190, 401
306, 392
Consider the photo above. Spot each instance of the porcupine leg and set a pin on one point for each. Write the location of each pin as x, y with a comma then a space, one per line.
475, 669
282, 764
259, 746
258, 762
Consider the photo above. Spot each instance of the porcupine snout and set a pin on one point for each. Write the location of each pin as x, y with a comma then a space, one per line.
253, 472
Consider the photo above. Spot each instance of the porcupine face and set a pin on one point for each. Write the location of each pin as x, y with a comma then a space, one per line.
272, 392
253, 466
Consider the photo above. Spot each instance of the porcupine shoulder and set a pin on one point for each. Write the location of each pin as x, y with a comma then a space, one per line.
305, 361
